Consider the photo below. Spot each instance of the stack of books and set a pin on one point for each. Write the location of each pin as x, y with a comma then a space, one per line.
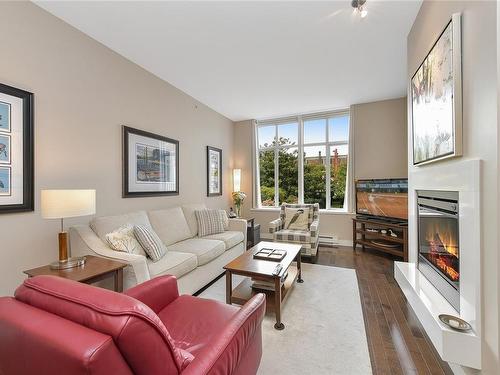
266, 285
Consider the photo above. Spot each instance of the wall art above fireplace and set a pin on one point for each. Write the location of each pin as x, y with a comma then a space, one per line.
436, 99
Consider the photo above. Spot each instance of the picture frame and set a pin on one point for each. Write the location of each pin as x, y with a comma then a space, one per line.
214, 171
16, 150
436, 99
150, 164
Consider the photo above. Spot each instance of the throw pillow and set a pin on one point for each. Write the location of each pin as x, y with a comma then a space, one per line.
224, 218
296, 218
209, 222
150, 242
123, 239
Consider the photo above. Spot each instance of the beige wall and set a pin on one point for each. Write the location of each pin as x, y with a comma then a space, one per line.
380, 139
84, 92
480, 132
380, 151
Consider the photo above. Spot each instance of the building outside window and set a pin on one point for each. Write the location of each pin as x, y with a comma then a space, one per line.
303, 159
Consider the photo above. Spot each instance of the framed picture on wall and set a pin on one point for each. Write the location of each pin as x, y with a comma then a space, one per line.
436, 98
150, 164
16, 150
214, 171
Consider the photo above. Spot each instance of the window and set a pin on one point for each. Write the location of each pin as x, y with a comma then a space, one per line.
303, 160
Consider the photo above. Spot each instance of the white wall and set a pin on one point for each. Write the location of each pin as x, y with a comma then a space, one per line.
84, 92
379, 145
480, 133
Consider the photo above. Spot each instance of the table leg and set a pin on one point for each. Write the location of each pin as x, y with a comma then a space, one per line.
299, 267
229, 287
277, 303
118, 280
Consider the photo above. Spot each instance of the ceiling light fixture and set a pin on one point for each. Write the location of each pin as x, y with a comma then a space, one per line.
358, 6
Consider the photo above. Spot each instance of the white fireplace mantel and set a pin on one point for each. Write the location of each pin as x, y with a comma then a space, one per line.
462, 175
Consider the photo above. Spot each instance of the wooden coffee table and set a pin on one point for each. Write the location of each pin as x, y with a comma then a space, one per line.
246, 265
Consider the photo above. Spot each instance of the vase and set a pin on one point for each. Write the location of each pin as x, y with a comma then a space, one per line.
238, 210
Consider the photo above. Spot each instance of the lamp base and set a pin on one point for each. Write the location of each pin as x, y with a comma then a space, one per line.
68, 263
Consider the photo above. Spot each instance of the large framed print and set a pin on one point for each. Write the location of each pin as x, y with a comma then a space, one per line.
436, 99
16, 150
150, 164
214, 171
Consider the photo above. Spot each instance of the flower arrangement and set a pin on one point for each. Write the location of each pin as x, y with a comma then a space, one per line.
238, 198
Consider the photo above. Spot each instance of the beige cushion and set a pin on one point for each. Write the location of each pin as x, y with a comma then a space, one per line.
204, 249
173, 263
123, 239
210, 221
170, 225
299, 216
229, 237
190, 216
107, 224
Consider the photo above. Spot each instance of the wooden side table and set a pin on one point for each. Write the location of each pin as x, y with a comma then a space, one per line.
95, 269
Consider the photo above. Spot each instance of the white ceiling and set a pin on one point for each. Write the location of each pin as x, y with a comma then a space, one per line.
258, 59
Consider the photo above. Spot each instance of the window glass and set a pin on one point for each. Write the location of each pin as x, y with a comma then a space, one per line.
266, 169
288, 134
315, 175
338, 128
315, 131
288, 172
266, 135
338, 175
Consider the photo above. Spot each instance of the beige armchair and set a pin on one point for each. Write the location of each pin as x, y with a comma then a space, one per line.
309, 239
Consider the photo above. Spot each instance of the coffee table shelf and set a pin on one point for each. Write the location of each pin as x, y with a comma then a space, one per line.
244, 291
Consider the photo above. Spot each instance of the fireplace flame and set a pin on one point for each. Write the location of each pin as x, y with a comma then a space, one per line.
442, 239
442, 235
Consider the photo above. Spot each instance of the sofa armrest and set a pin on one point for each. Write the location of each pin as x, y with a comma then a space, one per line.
239, 225
225, 351
275, 225
156, 293
314, 229
85, 242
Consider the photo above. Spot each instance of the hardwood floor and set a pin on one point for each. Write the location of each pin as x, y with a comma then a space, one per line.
396, 339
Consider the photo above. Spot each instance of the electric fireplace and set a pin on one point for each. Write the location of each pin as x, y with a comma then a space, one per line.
438, 242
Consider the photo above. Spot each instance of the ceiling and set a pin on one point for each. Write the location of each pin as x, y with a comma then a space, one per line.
258, 59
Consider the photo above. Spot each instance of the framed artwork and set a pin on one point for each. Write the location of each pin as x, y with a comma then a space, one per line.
214, 171
150, 164
436, 97
16, 150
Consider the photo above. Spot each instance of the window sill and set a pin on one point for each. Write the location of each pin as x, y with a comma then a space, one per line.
321, 211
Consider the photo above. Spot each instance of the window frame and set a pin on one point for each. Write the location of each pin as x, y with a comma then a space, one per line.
300, 119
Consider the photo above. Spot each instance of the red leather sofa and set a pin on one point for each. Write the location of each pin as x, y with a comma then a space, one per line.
58, 326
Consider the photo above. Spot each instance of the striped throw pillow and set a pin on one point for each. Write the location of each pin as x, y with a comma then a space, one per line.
150, 242
209, 222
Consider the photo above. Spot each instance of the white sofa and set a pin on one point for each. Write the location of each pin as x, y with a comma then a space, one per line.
195, 261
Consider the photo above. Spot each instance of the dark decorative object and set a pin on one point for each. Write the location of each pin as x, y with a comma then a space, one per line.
16, 150
150, 164
214, 171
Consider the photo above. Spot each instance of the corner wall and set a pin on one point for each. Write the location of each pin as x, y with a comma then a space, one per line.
84, 92
480, 135
379, 145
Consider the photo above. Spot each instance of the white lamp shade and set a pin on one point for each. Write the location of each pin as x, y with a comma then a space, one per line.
236, 179
58, 204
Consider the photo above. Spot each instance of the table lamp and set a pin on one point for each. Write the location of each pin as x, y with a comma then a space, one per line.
61, 204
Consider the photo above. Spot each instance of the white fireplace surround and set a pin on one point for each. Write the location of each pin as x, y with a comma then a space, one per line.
459, 348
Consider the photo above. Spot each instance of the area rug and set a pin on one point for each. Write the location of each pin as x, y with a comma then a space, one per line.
324, 328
